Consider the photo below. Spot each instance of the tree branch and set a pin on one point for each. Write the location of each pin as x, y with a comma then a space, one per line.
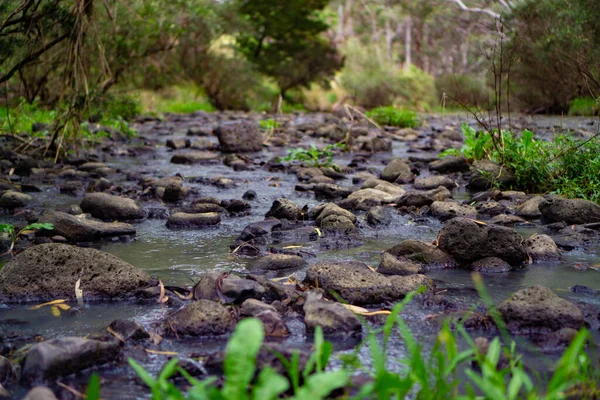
487, 11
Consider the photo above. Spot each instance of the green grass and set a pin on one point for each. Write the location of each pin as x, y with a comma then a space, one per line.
584, 106
21, 117
391, 116
185, 99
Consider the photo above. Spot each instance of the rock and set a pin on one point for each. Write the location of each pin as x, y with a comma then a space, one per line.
56, 358
206, 287
200, 318
129, 329
364, 199
202, 144
491, 208
239, 137
222, 182
506, 219
272, 323
391, 265
490, 265
377, 145
202, 208
333, 209
283, 208
449, 164
570, 211
435, 181
49, 271
403, 285
178, 143
240, 289
92, 166
414, 198
332, 317
7, 372
445, 210
337, 225
397, 171
249, 195
353, 281
331, 191
194, 157
11, 200
256, 233
422, 253
541, 248
236, 206
380, 215
253, 307
40, 393
384, 186
486, 173
107, 207
537, 308
276, 262
466, 241
182, 220
439, 194
530, 209
72, 188
80, 228
174, 192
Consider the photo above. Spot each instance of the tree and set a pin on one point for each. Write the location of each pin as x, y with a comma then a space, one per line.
285, 41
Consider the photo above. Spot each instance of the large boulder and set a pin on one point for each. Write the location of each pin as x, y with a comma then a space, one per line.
570, 211
239, 137
11, 200
354, 281
108, 207
182, 220
466, 241
397, 171
333, 209
337, 225
415, 252
50, 271
449, 164
200, 318
56, 358
81, 228
538, 308
332, 317
486, 173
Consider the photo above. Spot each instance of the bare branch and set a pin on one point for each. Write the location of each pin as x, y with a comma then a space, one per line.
487, 11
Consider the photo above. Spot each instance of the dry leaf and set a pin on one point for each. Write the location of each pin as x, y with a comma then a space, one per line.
380, 312
79, 292
319, 232
371, 268
11, 171
291, 247
55, 311
115, 334
63, 306
50, 303
182, 297
162, 292
355, 309
164, 353
164, 299
156, 338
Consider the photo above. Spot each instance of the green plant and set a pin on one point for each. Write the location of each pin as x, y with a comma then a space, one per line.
476, 146
391, 116
14, 235
269, 124
315, 157
585, 106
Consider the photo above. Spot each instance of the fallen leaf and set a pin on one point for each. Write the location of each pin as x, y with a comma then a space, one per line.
50, 303
156, 338
355, 309
161, 296
164, 353
115, 334
380, 312
182, 297
55, 311
291, 247
11, 171
371, 268
63, 306
319, 232
79, 292
164, 299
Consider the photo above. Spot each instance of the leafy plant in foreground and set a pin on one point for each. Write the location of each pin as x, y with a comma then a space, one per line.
313, 156
392, 116
14, 235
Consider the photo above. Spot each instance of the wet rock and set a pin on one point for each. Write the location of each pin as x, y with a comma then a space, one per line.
337, 225
276, 262
239, 137
384, 186
333, 209
486, 173
506, 219
93, 166
541, 248
449, 164
381, 215
206, 287
7, 372
80, 228
249, 195
283, 208
390, 265
537, 308
201, 208
174, 192
202, 144
403, 285
182, 220
194, 157
467, 241
425, 254
353, 281
331, 191
377, 145
445, 210
307, 174
49, 271
272, 323
129, 329
414, 198
222, 182
332, 317
364, 199
491, 208
490, 265
433, 182
253, 307
176, 144
236, 206
40, 393
570, 211
72, 188
200, 318
240, 289
107, 207
397, 171
56, 358
11, 200
256, 233
530, 209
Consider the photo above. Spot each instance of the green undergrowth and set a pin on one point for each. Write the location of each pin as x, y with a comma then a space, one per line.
564, 165
497, 374
392, 116
584, 106
315, 157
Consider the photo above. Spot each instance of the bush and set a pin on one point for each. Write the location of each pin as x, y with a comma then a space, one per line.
391, 116
462, 90
584, 106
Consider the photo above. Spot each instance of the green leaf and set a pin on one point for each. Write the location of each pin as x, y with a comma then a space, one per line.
93, 388
142, 373
269, 385
169, 369
320, 385
7, 228
38, 226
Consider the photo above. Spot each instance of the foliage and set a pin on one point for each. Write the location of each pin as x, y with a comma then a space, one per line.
391, 116
21, 117
269, 124
313, 156
476, 146
462, 90
584, 106
14, 235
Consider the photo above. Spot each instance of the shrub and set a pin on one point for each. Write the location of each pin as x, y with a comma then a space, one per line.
391, 116
462, 90
584, 106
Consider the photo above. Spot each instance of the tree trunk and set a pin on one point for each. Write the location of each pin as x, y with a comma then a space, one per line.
408, 44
